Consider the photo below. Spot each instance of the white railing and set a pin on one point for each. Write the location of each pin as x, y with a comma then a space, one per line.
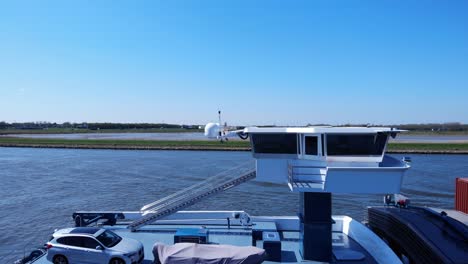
300, 176
188, 196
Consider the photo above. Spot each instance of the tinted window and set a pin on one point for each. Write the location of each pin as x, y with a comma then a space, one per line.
70, 241
275, 143
62, 240
298, 147
322, 138
90, 243
311, 145
356, 145
109, 238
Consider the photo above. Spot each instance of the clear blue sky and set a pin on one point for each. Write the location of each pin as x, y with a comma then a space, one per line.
268, 62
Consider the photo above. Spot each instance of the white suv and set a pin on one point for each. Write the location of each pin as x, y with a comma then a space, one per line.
93, 245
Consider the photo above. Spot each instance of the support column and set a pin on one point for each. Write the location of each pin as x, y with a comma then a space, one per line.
316, 226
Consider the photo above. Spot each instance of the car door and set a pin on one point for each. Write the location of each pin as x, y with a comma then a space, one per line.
91, 254
70, 248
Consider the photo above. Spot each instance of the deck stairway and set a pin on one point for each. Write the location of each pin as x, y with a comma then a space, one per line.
306, 178
193, 194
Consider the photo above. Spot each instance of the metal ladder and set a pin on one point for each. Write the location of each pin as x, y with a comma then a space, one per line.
191, 195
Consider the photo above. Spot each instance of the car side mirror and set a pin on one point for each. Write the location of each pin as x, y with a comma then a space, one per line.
98, 247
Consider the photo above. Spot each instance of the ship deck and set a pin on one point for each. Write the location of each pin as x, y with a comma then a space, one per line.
343, 245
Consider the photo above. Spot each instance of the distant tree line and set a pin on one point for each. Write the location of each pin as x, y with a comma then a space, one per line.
93, 126
434, 127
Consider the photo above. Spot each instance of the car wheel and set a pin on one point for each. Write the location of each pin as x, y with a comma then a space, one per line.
59, 259
116, 261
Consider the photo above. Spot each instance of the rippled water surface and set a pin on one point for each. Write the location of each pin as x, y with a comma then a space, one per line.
41, 188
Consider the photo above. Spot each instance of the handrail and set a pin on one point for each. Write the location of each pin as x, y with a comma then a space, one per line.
292, 174
174, 207
302, 166
183, 196
300, 173
208, 181
188, 196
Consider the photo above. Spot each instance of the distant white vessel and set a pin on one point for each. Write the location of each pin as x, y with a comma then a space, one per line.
221, 131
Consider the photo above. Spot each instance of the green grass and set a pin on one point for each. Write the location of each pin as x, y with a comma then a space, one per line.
195, 144
124, 143
435, 133
428, 147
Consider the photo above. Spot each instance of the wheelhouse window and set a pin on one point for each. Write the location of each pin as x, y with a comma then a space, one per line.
356, 144
311, 145
275, 143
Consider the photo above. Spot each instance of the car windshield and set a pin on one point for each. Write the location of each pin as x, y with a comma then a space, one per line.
109, 238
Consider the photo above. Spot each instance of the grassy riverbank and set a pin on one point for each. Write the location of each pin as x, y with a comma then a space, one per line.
448, 148
443, 148
124, 144
435, 133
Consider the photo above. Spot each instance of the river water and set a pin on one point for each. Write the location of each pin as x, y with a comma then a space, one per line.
41, 188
